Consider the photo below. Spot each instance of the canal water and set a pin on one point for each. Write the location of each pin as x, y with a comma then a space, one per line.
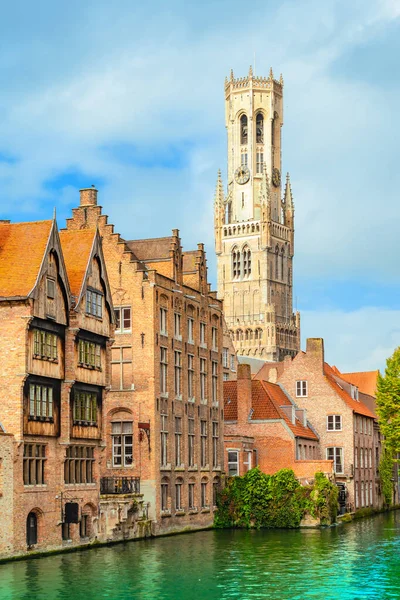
354, 561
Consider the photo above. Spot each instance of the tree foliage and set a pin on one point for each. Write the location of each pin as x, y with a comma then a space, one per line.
260, 500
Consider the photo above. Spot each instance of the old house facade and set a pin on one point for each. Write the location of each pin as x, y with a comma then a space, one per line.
165, 416
55, 319
264, 427
344, 423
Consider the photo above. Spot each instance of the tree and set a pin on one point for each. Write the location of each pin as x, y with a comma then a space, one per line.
388, 409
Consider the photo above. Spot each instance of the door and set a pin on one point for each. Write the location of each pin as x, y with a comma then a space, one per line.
31, 529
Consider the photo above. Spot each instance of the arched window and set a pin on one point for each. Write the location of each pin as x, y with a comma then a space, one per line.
276, 263
235, 263
246, 261
31, 529
259, 129
243, 129
282, 252
239, 335
228, 212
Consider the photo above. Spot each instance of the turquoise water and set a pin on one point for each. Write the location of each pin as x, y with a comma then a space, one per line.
358, 560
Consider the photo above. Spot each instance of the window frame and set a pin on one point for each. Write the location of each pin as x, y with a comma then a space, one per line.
230, 462
34, 460
120, 320
124, 444
94, 303
337, 452
302, 388
334, 423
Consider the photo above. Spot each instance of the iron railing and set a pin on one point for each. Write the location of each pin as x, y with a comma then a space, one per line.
120, 485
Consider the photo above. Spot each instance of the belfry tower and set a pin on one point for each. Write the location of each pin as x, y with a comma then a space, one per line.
254, 223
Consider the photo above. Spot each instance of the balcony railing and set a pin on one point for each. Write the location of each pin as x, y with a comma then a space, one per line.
120, 485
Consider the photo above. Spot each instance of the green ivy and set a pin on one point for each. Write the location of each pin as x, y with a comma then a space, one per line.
386, 474
259, 500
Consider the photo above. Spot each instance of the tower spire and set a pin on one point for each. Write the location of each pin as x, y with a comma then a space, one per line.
251, 72
288, 196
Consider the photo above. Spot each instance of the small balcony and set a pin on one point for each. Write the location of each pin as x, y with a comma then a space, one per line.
119, 485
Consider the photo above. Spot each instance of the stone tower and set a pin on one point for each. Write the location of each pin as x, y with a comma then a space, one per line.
254, 223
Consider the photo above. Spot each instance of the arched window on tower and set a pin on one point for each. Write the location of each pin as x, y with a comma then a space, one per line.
235, 263
246, 261
282, 263
243, 129
276, 263
259, 129
228, 212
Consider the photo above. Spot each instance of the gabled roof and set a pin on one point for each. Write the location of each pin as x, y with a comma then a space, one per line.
77, 246
356, 405
151, 249
364, 380
22, 248
189, 261
267, 398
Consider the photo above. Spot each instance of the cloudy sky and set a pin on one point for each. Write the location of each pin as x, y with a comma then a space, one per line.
129, 96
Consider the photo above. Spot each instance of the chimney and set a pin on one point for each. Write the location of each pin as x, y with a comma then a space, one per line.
243, 392
315, 351
88, 196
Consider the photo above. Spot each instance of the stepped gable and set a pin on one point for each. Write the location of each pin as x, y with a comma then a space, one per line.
267, 399
77, 246
22, 248
364, 380
332, 376
151, 249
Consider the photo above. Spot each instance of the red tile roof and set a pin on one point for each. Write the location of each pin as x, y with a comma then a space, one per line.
76, 246
22, 248
364, 380
267, 398
357, 406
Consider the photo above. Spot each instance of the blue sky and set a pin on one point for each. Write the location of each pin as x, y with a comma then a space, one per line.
129, 97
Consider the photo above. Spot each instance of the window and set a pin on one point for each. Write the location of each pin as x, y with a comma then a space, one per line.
225, 376
94, 303
370, 493
233, 368
123, 319
178, 495
215, 492
365, 425
215, 440
334, 423
163, 370
51, 288
259, 162
85, 408
40, 402
354, 392
203, 339
362, 458
203, 444
370, 457
177, 323
164, 494
31, 529
190, 442
356, 493
301, 389
259, 129
214, 381
163, 321
362, 495
178, 373
225, 357
121, 367
203, 380
178, 441
191, 496
122, 443
214, 338
356, 458
204, 503
190, 376
190, 324
246, 262
44, 345
89, 354
236, 263
243, 129
244, 159
34, 459
164, 440
84, 526
233, 463
247, 462
78, 466
336, 454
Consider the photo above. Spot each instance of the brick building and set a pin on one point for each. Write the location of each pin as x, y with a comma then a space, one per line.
55, 319
339, 413
264, 427
164, 422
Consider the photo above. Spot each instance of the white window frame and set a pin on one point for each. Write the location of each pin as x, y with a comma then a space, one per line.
163, 321
190, 330
120, 439
233, 463
163, 370
122, 311
203, 334
214, 338
301, 388
335, 420
178, 326
225, 358
337, 453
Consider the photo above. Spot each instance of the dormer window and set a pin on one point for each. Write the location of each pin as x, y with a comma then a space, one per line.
354, 392
94, 303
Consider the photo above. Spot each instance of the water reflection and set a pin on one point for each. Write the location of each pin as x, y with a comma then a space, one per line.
355, 561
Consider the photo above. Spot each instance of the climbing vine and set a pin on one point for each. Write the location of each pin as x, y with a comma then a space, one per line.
259, 500
386, 474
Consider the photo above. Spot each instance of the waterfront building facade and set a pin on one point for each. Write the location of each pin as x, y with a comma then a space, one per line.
164, 422
254, 223
346, 426
264, 427
56, 320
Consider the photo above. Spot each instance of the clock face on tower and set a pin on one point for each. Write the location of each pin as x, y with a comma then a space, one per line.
276, 177
242, 174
